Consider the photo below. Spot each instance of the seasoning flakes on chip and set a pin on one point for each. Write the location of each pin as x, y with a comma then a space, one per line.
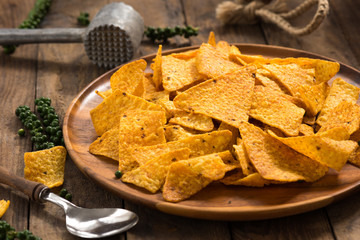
107, 114
276, 161
46, 166
213, 98
270, 107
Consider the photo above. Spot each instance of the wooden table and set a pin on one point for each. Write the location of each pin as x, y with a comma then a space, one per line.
60, 71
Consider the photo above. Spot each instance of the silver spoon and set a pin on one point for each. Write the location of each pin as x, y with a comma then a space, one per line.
82, 222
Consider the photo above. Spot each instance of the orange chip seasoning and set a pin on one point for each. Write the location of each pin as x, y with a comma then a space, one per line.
276, 161
129, 78
4, 205
107, 114
157, 77
213, 98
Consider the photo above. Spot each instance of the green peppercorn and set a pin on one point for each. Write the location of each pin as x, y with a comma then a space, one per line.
63, 192
118, 174
68, 197
21, 132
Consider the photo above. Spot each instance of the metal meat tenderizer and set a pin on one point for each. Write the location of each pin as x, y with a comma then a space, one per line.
110, 40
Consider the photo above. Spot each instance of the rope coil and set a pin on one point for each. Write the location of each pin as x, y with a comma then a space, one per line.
251, 11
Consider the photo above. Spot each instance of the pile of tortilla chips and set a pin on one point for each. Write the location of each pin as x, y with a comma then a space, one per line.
215, 114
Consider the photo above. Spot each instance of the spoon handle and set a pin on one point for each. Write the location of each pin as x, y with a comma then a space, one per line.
30, 188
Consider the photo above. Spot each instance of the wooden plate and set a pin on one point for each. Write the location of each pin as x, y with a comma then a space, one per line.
217, 201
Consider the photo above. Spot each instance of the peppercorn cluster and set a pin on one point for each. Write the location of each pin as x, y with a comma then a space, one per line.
163, 34
33, 20
7, 232
45, 131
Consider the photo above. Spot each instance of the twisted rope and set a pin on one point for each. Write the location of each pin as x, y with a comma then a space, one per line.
251, 11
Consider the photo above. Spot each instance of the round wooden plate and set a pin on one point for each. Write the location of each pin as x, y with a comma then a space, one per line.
217, 201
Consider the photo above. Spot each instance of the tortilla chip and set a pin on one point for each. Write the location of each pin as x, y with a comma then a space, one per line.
234, 56
4, 205
177, 73
157, 68
139, 128
211, 39
327, 151
187, 177
46, 166
267, 82
107, 114
107, 145
152, 174
305, 130
235, 131
252, 180
104, 94
272, 108
194, 121
224, 47
213, 98
314, 96
241, 155
355, 157
276, 161
339, 91
230, 162
175, 133
201, 144
212, 63
291, 76
187, 55
128, 78
345, 114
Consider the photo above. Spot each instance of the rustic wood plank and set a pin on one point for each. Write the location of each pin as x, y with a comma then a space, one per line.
293, 227
347, 17
202, 15
16, 70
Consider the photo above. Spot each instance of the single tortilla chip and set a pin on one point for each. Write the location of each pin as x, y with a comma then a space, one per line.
139, 128
211, 39
327, 151
272, 108
107, 145
339, 91
46, 166
355, 158
152, 174
4, 205
107, 114
224, 47
314, 96
241, 155
345, 114
305, 130
212, 63
104, 94
235, 131
275, 160
291, 76
157, 68
187, 55
178, 73
186, 178
239, 179
128, 78
176, 132
213, 98
229, 160
201, 144
194, 121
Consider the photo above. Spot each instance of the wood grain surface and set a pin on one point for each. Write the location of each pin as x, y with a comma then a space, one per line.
61, 71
